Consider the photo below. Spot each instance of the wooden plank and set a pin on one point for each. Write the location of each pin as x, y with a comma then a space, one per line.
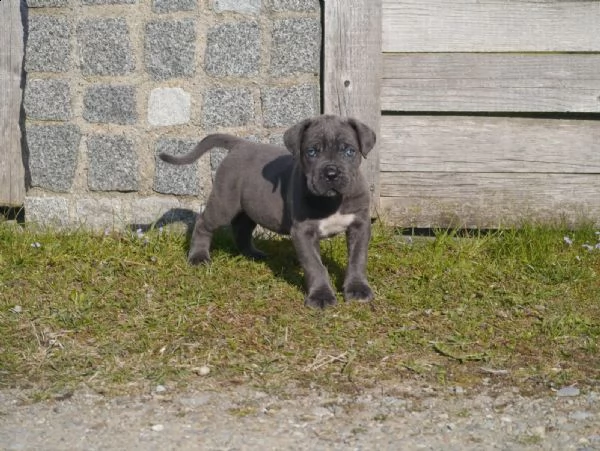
352, 70
490, 26
491, 82
433, 199
12, 178
489, 144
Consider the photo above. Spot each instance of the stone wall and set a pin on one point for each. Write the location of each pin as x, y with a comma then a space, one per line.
110, 83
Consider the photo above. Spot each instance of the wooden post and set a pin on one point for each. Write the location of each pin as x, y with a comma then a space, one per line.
12, 174
352, 70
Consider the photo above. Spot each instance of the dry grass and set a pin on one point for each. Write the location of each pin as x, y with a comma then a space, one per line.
119, 312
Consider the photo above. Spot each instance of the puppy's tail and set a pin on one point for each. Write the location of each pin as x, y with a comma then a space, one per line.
217, 140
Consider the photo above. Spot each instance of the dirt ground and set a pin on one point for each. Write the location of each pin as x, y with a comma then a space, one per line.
406, 416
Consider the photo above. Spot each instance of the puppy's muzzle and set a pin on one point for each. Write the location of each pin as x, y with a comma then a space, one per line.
331, 181
331, 173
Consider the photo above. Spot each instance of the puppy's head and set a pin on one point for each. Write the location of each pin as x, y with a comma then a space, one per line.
329, 150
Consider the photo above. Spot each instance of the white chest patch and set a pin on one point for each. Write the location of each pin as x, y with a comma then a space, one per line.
334, 224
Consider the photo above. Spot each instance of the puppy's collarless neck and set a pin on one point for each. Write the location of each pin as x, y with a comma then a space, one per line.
322, 206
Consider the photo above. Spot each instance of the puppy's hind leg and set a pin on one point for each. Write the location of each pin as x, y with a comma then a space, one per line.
200, 242
242, 227
217, 213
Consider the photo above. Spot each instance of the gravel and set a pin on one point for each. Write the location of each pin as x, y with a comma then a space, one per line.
407, 416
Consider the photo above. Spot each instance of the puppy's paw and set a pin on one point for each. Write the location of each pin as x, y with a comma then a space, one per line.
358, 290
320, 297
198, 258
255, 254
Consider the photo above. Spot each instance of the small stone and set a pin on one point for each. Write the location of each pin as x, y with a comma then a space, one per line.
203, 370
568, 391
196, 401
539, 431
322, 412
581, 415
16, 309
158, 427
160, 389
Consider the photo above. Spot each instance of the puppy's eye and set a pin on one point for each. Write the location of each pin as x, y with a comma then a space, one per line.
349, 151
311, 152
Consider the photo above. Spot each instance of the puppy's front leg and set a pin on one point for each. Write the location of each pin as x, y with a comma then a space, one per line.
356, 287
320, 294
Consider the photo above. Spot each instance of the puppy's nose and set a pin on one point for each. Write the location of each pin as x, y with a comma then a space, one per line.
331, 172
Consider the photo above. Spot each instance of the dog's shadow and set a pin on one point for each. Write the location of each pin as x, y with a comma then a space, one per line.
283, 262
281, 256
183, 216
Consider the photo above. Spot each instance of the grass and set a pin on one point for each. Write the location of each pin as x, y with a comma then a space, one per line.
123, 311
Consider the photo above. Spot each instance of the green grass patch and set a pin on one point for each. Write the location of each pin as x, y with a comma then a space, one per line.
119, 312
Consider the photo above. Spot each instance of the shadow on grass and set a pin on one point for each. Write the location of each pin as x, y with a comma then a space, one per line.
173, 216
281, 256
283, 262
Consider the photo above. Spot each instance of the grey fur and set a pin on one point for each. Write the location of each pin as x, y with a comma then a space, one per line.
310, 194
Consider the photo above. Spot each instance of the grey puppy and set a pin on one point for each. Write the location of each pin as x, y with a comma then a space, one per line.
314, 191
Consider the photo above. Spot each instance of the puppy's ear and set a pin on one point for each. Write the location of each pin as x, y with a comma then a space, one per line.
366, 136
292, 138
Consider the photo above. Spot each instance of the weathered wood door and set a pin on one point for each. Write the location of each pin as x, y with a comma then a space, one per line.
12, 179
489, 109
